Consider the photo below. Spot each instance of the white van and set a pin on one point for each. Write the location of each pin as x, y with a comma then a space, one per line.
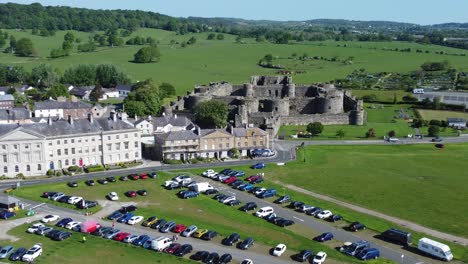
201, 187
160, 243
264, 211
418, 91
435, 249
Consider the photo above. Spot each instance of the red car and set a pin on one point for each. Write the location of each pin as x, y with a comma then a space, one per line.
230, 180
254, 178
144, 176
134, 176
131, 194
121, 236
179, 228
172, 248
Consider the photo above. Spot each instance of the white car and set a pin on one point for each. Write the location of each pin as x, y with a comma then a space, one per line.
135, 220
279, 250
130, 238
264, 211
72, 224
324, 214
169, 183
320, 258
227, 199
259, 191
221, 177
50, 218
35, 227
247, 261
209, 173
74, 199
113, 196
33, 253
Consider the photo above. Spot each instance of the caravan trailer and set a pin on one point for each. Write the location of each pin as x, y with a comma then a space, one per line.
435, 249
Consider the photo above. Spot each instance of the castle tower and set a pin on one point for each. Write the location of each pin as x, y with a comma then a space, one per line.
167, 111
249, 92
291, 90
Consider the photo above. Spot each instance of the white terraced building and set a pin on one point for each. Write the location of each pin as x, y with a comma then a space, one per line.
34, 148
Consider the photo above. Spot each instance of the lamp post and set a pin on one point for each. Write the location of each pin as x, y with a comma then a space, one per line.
402, 258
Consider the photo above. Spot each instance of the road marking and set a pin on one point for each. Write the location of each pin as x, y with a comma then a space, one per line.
300, 219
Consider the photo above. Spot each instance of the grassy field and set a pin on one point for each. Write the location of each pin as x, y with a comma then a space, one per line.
381, 95
441, 115
203, 212
216, 60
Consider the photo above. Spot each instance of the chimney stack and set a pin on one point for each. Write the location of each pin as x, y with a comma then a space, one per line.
90, 118
198, 131
113, 116
49, 120
70, 120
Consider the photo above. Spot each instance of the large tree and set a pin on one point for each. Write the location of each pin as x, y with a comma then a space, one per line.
147, 55
211, 113
24, 47
145, 99
57, 90
167, 90
109, 75
315, 128
97, 93
43, 76
80, 75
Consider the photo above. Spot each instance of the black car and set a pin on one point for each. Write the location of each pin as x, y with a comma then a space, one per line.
270, 217
47, 194
102, 181
53, 233
61, 236
295, 204
209, 235
63, 222
334, 218
274, 220
356, 226
18, 254
153, 175
212, 258
111, 179
284, 222
314, 211
64, 199
123, 178
248, 207
231, 239
304, 255
90, 182
101, 231
283, 199
210, 191
236, 183
248, 242
72, 184
224, 259
87, 204
159, 223
233, 203
200, 255
253, 190
142, 192
219, 196
183, 250
127, 209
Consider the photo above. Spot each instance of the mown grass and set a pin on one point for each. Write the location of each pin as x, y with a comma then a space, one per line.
441, 115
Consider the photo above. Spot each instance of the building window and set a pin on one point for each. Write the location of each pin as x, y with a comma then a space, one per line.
5, 158
255, 143
16, 157
136, 144
73, 161
117, 146
93, 139
65, 141
126, 136
93, 149
109, 147
5, 169
126, 156
66, 151
58, 142
100, 147
73, 151
108, 137
80, 150
72, 141
238, 144
67, 162
38, 146
4, 147
26, 146
246, 144
50, 143
136, 154
28, 168
126, 145
86, 140
220, 145
15, 147
59, 152
136, 134
79, 140
39, 167
117, 137
16, 168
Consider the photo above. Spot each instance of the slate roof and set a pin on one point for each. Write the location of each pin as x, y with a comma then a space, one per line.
63, 127
16, 113
180, 121
178, 135
455, 120
8, 200
7, 97
51, 104
81, 91
123, 87
248, 132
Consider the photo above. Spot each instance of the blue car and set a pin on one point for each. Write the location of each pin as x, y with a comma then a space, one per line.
115, 215
63, 222
246, 187
239, 174
258, 166
189, 194
6, 214
18, 254
324, 237
369, 253
125, 218
225, 171
6, 250
267, 193
140, 240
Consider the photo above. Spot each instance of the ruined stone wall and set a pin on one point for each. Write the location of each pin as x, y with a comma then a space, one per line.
270, 91
325, 119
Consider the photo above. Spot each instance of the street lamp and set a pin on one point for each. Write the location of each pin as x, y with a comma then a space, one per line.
402, 258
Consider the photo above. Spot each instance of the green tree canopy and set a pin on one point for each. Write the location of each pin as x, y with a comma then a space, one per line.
80, 75
24, 47
96, 93
433, 131
57, 90
220, 36
167, 90
145, 99
109, 75
44, 75
315, 128
211, 36
341, 133
147, 55
211, 113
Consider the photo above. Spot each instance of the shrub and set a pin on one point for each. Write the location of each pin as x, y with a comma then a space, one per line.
74, 168
94, 168
20, 176
234, 153
172, 161
392, 133
50, 173
369, 98
433, 131
58, 174
315, 128
370, 133
434, 122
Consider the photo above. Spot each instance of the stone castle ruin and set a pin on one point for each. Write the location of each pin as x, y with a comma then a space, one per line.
271, 101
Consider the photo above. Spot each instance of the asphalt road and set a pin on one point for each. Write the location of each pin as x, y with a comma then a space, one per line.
316, 224
197, 244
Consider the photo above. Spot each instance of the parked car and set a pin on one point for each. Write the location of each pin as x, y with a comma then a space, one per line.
130, 238
158, 224
64, 199
264, 211
219, 196
5, 214
304, 255
111, 179
209, 235
231, 239
247, 261
229, 180
305, 208
334, 218
72, 224
248, 206
179, 228
90, 182
6, 250
72, 184
284, 222
200, 255
121, 236
209, 173
130, 208
233, 203
236, 183
171, 185
237, 174
56, 196
101, 231
33, 253
295, 205
144, 176
188, 194
314, 211
123, 178
74, 199
319, 258
131, 194
324, 214
125, 218
210, 191
63, 222
34, 227
279, 250
148, 243
437, 139
227, 199
189, 231
18, 254
48, 194
111, 233
283, 199
182, 179
397, 236
115, 215
167, 227
42, 231
113, 196
353, 249
225, 258
153, 175
135, 220
248, 242
199, 233
324, 237
142, 192
50, 218
87, 204
356, 226
140, 240
183, 250
368, 253
246, 187
148, 222
61, 235
212, 258
267, 193
134, 177
102, 181
258, 166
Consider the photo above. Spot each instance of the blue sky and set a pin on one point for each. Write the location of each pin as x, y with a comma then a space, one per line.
413, 11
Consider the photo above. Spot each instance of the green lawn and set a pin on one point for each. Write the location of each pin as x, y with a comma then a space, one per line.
381, 95
441, 115
226, 60
95, 250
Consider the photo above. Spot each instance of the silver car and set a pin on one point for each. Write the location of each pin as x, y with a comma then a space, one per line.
6, 250
44, 230
189, 231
